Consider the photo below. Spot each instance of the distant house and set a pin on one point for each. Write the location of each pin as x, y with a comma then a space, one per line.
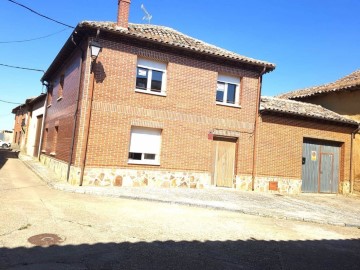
343, 97
160, 108
28, 124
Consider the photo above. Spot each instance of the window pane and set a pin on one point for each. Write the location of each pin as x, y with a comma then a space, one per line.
141, 78
149, 156
156, 80
135, 156
231, 93
220, 92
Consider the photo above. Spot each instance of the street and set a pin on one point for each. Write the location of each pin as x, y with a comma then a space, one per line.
42, 228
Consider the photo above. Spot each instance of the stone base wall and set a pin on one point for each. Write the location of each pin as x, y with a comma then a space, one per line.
345, 187
170, 179
262, 184
145, 178
60, 169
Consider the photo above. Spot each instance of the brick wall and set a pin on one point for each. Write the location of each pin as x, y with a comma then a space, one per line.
187, 113
60, 113
280, 144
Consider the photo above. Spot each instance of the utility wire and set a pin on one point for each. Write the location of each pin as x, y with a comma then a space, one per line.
37, 13
26, 40
33, 69
9, 102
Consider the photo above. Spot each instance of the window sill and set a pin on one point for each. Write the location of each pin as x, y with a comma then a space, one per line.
59, 98
228, 105
48, 106
142, 162
43, 151
52, 154
150, 92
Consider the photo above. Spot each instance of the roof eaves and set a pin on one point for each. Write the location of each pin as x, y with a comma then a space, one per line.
331, 119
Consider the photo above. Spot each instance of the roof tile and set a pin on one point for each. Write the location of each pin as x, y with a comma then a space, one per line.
350, 81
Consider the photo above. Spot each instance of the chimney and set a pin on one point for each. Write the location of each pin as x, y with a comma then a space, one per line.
123, 13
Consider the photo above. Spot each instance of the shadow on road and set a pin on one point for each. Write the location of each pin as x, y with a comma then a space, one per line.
250, 254
6, 154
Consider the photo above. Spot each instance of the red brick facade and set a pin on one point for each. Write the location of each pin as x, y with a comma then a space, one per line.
186, 114
280, 141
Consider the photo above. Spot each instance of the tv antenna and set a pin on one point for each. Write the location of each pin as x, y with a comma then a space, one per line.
147, 16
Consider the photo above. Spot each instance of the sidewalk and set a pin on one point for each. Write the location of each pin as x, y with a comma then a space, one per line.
330, 209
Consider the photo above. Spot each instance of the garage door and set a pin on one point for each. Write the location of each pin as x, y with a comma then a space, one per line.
320, 166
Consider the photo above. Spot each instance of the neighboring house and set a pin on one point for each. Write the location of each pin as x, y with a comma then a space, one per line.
28, 124
342, 97
20, 126
160, 108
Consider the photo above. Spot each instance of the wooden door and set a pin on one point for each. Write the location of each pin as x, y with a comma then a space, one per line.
224, 162
320, 166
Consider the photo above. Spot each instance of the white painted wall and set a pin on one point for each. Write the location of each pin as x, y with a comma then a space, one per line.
38, 110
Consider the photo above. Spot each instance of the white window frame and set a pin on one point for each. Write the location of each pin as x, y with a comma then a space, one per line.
229, 80
152, 66
143, 131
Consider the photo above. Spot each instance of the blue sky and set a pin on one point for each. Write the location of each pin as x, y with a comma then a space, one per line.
311, 41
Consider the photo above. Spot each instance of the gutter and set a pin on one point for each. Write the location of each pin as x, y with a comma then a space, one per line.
253, 174
353, 134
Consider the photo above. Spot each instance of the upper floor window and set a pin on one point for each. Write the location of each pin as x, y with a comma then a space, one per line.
49, 97
61, 86
150, 76
228, 90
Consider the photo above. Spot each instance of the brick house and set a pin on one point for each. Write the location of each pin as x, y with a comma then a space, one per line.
28, 124
303, 148
157, 108
343, 97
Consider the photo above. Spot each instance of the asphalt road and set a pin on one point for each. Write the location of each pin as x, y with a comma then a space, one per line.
41, 228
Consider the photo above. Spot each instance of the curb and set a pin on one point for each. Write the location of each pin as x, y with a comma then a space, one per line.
88, 191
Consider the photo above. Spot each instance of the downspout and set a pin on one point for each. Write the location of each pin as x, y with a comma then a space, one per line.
353, 134
87, 123
43, 121
82, 71
253, 174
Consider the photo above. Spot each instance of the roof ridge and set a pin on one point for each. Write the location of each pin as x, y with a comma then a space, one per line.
344, 82
178, 40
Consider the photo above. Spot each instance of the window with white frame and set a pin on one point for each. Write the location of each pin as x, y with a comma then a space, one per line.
150, 76
145, 144
228, 90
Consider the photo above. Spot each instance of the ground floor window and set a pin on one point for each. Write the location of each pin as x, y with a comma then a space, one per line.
145, 144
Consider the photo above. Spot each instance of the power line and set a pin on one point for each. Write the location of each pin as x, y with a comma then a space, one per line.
26, 40
33, 69
10, 102
37, 13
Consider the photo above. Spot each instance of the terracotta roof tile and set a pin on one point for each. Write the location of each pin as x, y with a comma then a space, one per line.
302, 109
346, 83
174, 38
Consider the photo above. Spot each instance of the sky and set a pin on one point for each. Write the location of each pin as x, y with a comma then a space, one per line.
312, 42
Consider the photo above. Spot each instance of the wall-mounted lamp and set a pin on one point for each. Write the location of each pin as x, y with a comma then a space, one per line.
95, 49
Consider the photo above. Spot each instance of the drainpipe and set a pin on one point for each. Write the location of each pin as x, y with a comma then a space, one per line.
82, 71
87, 124
43, 121
353, 134
256, 129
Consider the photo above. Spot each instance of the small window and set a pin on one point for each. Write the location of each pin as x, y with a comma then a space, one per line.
50, 93
145, 146
228, 92
150, 76
61, 86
